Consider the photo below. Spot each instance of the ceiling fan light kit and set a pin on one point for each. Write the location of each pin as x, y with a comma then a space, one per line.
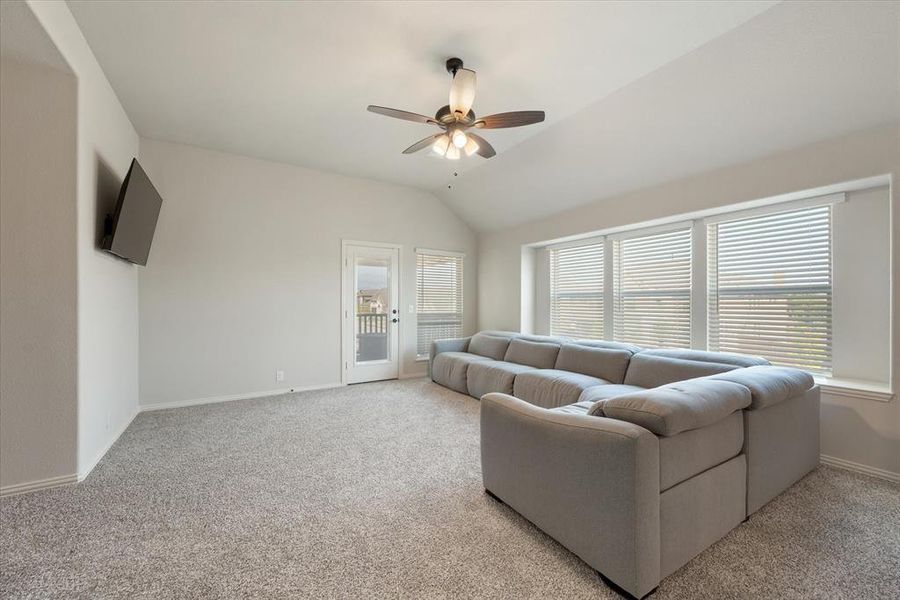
457, 118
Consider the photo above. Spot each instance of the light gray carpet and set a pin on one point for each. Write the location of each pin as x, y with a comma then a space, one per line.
375, 491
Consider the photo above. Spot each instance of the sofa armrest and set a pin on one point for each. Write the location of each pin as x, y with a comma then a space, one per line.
769, 385
591, 483
448, 345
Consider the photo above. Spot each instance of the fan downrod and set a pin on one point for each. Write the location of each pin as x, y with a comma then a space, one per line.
454, 65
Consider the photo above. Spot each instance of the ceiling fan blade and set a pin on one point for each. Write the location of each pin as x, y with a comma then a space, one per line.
401, 114
510, 119
485, 150
462, 91
422, 144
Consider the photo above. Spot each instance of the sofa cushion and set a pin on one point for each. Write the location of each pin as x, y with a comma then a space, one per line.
770, 385
550, 387
449, 369
492, 344
579, 408
726, 358
603, 363
691, 452
599, 394
607, 344
682, 406
651, 370
493, 376
541, 355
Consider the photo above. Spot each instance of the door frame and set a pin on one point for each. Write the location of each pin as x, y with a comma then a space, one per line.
346, 351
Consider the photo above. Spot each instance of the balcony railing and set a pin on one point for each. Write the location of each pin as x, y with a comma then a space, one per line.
371, 323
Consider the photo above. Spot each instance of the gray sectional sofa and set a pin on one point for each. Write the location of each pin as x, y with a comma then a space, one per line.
636, 460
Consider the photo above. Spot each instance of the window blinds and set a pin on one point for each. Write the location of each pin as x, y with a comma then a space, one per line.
770, 287
652, 289
439, 298
576, 291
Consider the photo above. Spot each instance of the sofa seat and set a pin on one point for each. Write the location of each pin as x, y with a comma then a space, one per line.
602, 393
484, 377
579, 408
550, 388
450, 369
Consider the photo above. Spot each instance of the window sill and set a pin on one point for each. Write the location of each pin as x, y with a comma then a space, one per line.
855, 388
421, 359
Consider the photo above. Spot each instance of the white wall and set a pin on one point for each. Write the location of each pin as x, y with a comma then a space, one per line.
38, 284
855, 430
107, 286
244, 275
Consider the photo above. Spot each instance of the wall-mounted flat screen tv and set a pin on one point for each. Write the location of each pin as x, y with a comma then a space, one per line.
129, 230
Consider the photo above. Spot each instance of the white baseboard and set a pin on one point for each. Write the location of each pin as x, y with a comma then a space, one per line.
233, 397
848, 465
83, 473
40, 484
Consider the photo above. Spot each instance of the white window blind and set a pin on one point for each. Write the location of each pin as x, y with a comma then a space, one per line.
576, 291
652, 289
439, 298
770, 287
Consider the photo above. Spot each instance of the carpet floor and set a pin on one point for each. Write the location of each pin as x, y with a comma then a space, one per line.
374, 491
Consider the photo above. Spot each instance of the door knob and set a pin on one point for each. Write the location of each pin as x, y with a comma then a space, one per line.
395, 320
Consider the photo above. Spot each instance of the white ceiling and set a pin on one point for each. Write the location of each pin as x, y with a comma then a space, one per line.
797, 74
635, 92
290, 81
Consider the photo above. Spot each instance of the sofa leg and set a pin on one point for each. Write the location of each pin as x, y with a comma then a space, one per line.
492, 495
620, 591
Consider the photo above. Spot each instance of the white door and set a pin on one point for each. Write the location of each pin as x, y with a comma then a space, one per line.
371, 312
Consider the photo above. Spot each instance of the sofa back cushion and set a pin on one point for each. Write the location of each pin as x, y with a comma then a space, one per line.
492, 344
725, 358
541, 355
605, 363
652, 370
681, 406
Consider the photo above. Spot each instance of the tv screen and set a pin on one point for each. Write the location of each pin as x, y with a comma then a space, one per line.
129, 230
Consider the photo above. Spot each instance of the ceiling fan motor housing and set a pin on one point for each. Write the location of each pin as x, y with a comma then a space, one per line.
454, 65
445, 117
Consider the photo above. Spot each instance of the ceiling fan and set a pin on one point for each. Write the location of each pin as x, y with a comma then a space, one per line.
457, 119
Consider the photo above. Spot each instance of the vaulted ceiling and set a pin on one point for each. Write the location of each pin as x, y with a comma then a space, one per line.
635, 93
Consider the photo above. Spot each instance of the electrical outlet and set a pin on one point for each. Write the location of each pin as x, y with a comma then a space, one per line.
279, 375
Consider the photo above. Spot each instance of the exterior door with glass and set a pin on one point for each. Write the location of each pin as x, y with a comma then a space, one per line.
371, 312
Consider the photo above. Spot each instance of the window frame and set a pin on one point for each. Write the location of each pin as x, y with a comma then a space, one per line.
714, 262
617, 239
461, 291
593, 241
700, 284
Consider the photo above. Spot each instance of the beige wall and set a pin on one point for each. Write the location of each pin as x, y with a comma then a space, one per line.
107, 286
38, 337
244, 275
856, 430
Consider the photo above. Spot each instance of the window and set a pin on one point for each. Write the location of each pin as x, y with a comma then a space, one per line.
576, 291
439, 298
652, 289
770, 287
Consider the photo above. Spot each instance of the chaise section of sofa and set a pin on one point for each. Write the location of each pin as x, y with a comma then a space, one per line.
590, 483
